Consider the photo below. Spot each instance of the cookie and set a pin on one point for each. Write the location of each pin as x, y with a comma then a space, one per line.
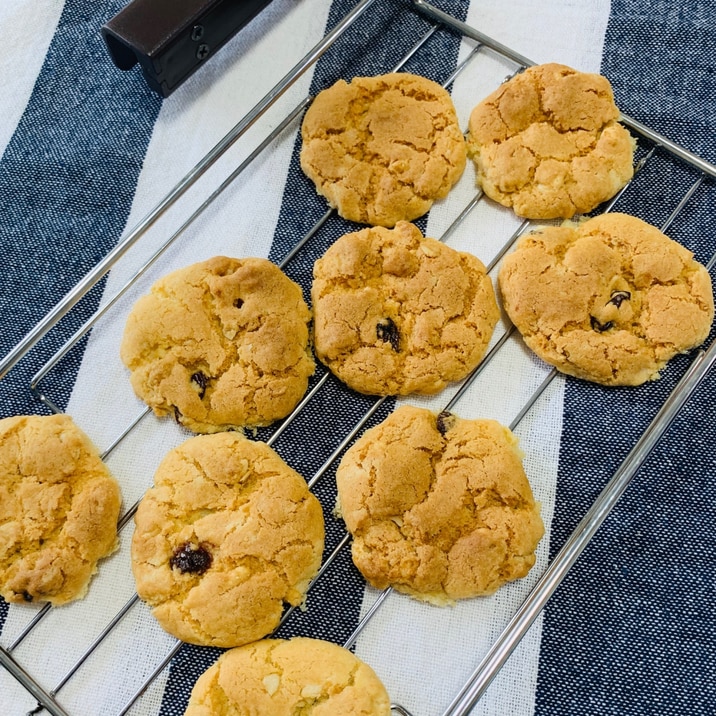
285, 678
383, 149
221, 345
439, 507
395, 313
610, 300
226, 536
548, 144
59, 507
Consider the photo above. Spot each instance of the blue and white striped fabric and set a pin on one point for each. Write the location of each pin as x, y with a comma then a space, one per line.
88, 151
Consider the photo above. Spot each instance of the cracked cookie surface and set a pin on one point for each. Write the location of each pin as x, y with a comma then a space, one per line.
439, 507
285, 678
59, 506
221, 344
548, 144
383, 149
226, 536
610, 300
395, 313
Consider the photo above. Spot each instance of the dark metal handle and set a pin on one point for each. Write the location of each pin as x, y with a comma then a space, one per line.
170, 40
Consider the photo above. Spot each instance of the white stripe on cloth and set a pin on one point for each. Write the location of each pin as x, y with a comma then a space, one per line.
26, 30
424, 667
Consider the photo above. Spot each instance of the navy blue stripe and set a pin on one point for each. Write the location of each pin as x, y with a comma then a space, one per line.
334, 602
632, 628
67, 179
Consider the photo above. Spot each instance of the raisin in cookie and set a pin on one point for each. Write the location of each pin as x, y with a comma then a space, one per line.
221, 344
547, 143
396, 313
609, 300
383, 149
285, 678
58, 509
227, 535
439, 507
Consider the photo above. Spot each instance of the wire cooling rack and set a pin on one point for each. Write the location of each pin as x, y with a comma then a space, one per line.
653, 149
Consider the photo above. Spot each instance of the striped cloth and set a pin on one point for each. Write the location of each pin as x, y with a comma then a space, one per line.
88, 151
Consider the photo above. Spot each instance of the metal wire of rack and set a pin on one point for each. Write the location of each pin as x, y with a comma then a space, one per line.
651, 144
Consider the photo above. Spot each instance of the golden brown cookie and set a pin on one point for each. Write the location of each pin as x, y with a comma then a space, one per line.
287, 678
396, 313
59, 506
227, 535
383, 149
439, 507
548, 144
610, 300
221, 344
